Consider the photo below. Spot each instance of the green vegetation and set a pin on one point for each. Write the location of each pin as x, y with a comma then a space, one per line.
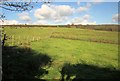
91, 51
107, 27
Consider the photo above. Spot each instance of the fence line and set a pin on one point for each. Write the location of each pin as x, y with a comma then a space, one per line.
22, 41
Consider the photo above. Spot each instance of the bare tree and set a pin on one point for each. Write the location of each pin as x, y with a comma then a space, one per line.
15, 6
18, 5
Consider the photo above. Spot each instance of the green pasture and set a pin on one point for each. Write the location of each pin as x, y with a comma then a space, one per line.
73, 47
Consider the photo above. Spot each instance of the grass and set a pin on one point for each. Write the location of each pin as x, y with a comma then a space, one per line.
74, 51
77, 47
65, 33
87, 35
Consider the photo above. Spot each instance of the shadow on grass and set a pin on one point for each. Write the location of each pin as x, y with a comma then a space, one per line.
81, 72
24, 63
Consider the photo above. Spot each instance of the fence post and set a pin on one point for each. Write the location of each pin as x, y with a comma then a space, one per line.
4, 39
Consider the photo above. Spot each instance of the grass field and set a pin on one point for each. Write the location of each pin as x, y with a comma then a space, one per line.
74, 53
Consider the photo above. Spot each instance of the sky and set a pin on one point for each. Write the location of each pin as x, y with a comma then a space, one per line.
65, 13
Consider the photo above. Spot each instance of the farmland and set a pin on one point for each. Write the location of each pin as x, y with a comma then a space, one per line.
73, 52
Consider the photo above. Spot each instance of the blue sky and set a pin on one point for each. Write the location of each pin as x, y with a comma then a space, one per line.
66, 13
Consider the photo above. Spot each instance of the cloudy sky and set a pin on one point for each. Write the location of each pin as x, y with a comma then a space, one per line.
66, 13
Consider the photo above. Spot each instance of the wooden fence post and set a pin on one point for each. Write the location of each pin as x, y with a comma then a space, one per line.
4, 39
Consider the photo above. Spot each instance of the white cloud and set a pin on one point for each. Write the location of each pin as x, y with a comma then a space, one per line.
24, 16
64, 10
97, 0
92, 2
116, 18
86, 19
54, 12
45, 12
58, 13
84, 8
78, 2
41, 22
8, 22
